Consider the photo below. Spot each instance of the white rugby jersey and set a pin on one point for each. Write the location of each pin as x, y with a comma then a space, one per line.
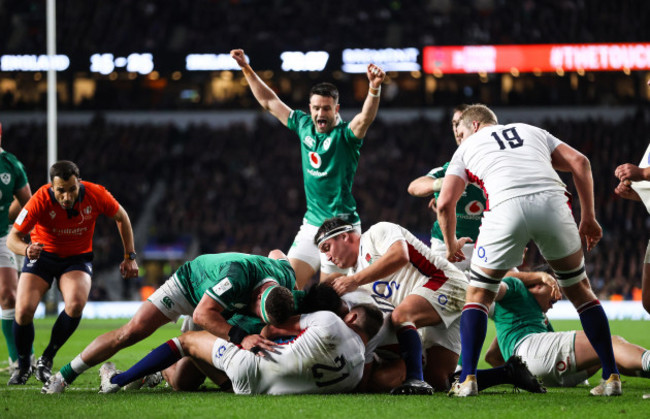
423, 266
508, 161
326, 357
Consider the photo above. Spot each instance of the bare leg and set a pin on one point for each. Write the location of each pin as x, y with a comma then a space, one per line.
146, 321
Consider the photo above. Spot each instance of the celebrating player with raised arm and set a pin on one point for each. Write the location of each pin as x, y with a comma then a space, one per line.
330, 150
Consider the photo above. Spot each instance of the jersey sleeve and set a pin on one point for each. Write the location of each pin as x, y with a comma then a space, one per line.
551, 141
29, 215
108, 203
21, 176
515, 287
437, 173
382, 236
457, 166
229, 289
317, 319
295, 120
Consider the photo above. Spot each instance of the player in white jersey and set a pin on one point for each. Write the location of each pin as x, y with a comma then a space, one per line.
327, 356
425, 289
526, 200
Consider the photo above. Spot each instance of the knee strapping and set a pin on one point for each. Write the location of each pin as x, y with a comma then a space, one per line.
479, 279
568, 278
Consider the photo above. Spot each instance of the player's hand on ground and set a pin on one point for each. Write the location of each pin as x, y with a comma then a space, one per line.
239, 56
252, 341
34, 250
590, 233
626, 191
344, 284
375, 74
628, 172
129, 268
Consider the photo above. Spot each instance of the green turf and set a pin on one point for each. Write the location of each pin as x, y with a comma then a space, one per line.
82, 399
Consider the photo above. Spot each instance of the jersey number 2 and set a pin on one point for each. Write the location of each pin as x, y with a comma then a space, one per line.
511, 136
326, 375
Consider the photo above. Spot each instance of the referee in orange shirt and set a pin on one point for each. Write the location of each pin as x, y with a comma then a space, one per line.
60, 219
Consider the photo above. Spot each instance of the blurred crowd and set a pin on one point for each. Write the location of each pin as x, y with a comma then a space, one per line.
218, 25
239, 188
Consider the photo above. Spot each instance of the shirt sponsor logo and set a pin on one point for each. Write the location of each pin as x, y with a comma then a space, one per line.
5, 178
474, 208
222, 286
327, 143
315, 160
21, 216
316, 173
69, 231
309, 142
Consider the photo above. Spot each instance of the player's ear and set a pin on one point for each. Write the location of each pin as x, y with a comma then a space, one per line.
350, 318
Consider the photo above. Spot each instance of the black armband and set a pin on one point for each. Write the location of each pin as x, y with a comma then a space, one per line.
237, 334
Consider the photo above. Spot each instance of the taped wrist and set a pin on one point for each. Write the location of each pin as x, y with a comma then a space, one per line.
237, 334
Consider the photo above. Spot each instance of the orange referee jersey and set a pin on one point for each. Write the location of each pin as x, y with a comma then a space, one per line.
66, 233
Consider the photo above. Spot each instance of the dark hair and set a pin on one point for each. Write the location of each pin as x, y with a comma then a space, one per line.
369, 319
325, 89
319, 297
279, 305
329, 225
64, 169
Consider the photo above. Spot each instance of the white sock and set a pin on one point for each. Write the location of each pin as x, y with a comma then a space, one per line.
78, 365
8, 314
645, 361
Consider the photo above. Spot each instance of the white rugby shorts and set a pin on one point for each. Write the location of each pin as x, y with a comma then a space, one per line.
543, 217
169, 299
551, 357
7, 257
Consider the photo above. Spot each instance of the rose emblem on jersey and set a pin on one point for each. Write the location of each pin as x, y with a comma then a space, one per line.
327, 143
5, 177
315, 160
474, 208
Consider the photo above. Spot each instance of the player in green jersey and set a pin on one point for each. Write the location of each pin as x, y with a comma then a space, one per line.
13, 183
559, 359
330, 155
210, 288
469, 209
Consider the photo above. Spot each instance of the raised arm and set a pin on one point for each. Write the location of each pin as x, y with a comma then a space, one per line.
566, 158
128, 267
424, 186
263, 93
361, 122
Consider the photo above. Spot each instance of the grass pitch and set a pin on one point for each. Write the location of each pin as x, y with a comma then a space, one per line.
83, 401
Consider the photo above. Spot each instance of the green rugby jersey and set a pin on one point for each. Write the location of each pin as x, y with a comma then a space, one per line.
516, 316
12, 178
329, 163
230, 278
469, 209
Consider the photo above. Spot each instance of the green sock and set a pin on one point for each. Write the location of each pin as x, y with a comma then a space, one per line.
8, 331
68, 373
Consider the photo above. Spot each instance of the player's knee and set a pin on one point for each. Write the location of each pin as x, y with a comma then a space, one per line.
8, 299
75, 308
400, 316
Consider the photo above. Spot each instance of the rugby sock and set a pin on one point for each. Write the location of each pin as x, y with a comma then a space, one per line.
645, 365
73, 369
157, 360
410, 347
596, 327
473, 327
8, 331
63, 328
491, 377
24, 337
